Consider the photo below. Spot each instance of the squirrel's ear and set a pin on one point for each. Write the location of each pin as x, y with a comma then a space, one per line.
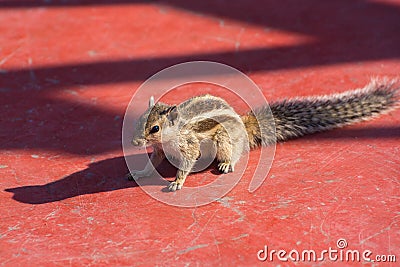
151, 101
172, 114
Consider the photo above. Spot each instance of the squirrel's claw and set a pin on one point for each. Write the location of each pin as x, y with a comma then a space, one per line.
173, 186
225, 167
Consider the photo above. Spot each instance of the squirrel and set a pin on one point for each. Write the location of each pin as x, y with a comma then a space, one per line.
178, 130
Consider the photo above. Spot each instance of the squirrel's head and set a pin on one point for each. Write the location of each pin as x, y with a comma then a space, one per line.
150, 124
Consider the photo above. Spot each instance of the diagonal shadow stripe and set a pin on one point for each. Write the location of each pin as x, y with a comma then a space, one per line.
251, 60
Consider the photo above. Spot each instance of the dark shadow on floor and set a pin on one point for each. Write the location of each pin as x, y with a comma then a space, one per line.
103, 176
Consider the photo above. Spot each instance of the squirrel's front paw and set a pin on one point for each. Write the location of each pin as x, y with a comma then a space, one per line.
136, 175
173, 186
225, 167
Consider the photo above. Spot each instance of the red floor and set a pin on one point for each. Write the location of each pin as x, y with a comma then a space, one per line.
68, 70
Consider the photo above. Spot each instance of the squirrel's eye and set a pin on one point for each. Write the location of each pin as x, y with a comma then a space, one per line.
155, 129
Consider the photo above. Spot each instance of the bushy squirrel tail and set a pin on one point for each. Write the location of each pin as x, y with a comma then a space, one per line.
300, 116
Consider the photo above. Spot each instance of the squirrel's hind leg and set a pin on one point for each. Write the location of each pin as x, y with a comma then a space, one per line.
229, 148
224, 152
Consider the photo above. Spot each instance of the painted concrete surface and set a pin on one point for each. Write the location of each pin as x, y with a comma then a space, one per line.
68, 70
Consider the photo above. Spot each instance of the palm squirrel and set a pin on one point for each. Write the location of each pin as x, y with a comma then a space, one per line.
183, 127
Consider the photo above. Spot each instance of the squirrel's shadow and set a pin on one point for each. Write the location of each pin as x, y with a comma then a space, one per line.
102, 176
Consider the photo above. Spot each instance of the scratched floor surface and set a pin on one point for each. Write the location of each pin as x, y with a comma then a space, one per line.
68, 70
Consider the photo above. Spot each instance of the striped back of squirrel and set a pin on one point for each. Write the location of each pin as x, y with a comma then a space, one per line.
300, 116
